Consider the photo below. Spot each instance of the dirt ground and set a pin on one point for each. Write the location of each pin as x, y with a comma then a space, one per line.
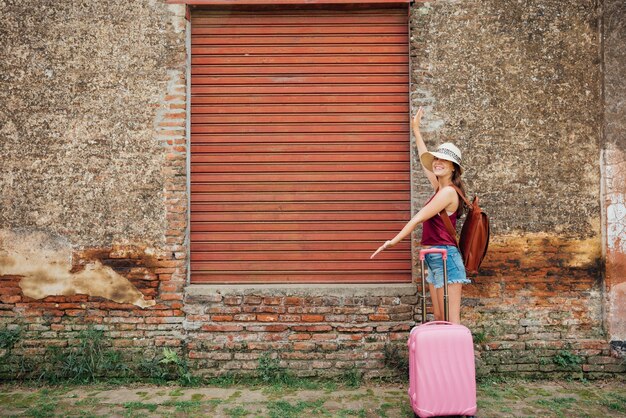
514, 398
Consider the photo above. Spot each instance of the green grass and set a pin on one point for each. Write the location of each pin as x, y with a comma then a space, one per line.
558, 405
615, 402
502, 397
44, 408
353, 377
284, 409
236, 412
184, 406
383, 409
344, 413
134, 406
88, 401
177, 392
197, 397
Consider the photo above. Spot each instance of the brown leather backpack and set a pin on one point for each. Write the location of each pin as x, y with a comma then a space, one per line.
474, 239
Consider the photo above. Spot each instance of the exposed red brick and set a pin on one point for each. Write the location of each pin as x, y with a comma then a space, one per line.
267, 318
290, 300
221, 318
379, 317
300, 337
273, 300
303, 346
312, 318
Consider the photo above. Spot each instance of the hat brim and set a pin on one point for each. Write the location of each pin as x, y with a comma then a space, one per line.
428, 157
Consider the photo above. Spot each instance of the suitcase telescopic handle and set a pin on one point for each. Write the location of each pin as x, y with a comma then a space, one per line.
439, 322
442, 251
444, 256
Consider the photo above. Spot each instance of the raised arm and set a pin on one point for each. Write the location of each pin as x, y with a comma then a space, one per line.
421, 146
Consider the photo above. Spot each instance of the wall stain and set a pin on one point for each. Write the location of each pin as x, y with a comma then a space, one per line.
46, 268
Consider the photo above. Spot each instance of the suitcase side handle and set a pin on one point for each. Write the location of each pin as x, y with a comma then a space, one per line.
442, 251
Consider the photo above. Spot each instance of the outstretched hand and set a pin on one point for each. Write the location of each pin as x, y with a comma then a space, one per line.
386, 245
417, 119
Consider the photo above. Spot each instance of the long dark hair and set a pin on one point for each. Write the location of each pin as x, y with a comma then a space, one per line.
458, 182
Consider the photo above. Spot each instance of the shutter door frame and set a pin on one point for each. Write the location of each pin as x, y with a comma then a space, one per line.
322, 148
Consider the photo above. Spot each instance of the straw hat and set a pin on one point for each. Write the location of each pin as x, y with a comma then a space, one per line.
446, 151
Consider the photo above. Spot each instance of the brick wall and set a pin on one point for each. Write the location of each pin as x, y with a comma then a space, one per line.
313, 331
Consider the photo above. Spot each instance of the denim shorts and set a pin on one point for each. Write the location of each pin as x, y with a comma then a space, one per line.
456, 269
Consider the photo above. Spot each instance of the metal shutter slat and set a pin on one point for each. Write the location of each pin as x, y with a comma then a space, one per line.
299, 145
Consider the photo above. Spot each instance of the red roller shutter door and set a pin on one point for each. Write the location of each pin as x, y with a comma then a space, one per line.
299, 145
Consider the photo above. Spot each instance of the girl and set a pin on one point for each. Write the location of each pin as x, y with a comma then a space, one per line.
443, 169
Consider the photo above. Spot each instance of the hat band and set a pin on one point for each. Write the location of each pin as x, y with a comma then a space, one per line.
450, 154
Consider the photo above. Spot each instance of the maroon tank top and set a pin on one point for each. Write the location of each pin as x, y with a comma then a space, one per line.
434, 231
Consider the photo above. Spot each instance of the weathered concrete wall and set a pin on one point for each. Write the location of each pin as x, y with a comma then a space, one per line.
81, 86
517, 85
614, 170
93, 174
92, 130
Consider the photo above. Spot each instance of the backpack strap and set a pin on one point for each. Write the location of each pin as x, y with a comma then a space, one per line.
448, 223
446, 219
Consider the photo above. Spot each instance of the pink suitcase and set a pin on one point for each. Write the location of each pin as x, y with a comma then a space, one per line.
442, 375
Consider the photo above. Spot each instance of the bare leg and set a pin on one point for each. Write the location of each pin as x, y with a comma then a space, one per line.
437, 304
454, 298
454, 302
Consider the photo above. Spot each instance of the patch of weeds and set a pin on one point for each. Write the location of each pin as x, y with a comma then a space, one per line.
197, 397
44, 408
284, 409
134, 406
557, 405
18, 400
142, 394
406, 410
84, 414
88, 401
214, 402
353, 377
235, 395
351, 413
395, 359
177, 392
269, 371
230, 379
236, 412
382, 409
364, 395
183, 374
9, 337
615, 402
480, 337
84, 363
330, 386
491, 391
566, 358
